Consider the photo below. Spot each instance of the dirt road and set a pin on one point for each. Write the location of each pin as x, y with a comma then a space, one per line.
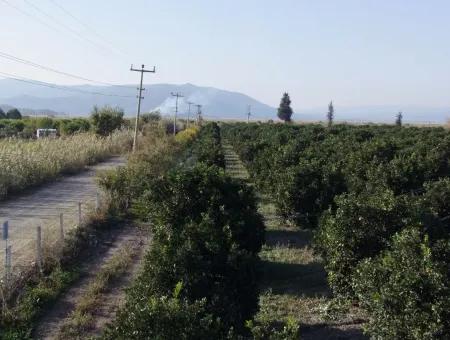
43, 205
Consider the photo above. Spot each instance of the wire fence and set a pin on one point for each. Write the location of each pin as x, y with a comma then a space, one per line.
27, 241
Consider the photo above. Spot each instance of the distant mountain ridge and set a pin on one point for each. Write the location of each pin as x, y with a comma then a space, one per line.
216, 103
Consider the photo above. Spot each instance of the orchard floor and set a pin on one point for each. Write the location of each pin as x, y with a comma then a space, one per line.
294, 284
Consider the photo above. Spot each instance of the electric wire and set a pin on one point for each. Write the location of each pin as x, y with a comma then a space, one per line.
59, 87
50, 69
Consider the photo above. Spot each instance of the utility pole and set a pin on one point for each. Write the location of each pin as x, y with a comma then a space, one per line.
199, 113
178, 95
249, 113
189, 112
142, 70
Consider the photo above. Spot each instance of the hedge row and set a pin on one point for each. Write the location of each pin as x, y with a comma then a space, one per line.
200, 275
380, 197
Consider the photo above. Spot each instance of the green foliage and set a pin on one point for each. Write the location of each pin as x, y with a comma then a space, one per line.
2, 114
285, 110
206, 234
330, 114
398, 119
405, 289
150, 117
71, 126
18, 322
165, 317
364, 186
106, 119
197, 191
46, 123
360, 228
208, 146
266, 331
13, 114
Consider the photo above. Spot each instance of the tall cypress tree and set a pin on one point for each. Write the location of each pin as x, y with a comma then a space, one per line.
398, 121
330, 114
285, 110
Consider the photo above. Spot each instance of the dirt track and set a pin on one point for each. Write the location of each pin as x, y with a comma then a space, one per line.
43, 205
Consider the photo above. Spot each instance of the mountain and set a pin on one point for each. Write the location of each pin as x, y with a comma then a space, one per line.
215, 103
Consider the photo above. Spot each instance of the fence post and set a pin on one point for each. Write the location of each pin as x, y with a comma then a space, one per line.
39, 248
61, 228
97, 202
79, 214
8, 253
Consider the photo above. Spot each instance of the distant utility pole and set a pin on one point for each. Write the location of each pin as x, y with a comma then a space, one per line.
249, 113
142, 70
199, 113
178, 95
189, 112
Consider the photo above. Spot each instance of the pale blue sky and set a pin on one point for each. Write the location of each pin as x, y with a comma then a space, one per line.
384, 52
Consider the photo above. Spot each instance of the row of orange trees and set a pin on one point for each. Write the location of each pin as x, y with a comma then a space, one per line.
199, 277
378, 198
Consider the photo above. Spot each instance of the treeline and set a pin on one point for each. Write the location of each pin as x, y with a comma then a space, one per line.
102, 121
379, 200
200, 276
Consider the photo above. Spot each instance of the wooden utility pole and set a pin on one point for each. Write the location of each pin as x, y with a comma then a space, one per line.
177, 95
142, 70
189, 112
199, 113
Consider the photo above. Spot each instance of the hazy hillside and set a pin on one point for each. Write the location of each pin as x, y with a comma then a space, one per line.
216, 102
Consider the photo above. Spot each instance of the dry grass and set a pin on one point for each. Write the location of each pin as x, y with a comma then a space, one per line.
24, 163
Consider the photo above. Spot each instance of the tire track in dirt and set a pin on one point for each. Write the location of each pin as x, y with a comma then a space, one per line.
50, 324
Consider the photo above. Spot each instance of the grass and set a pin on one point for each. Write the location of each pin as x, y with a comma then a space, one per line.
25, 163
29, 298
82, 318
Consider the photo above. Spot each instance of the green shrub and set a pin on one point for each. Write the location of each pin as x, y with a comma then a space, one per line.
71, 126
406, 290
360, 228
106, 119
13, 114
162, 318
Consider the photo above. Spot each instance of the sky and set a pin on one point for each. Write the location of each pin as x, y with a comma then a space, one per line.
354, 52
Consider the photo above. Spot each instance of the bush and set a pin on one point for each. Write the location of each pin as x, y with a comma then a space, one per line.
405, 290
71, 126
107, 119
360, 228
13, 114
165, 318
206, 234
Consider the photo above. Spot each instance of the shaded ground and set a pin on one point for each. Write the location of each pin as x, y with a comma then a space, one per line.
43, 205
294, 283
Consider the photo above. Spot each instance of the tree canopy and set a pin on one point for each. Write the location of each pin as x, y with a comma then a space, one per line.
14, 114
285, 110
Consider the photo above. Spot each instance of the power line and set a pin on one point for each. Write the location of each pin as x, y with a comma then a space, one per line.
28, 15
64, 25
59, 87
88, 27
46, 68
